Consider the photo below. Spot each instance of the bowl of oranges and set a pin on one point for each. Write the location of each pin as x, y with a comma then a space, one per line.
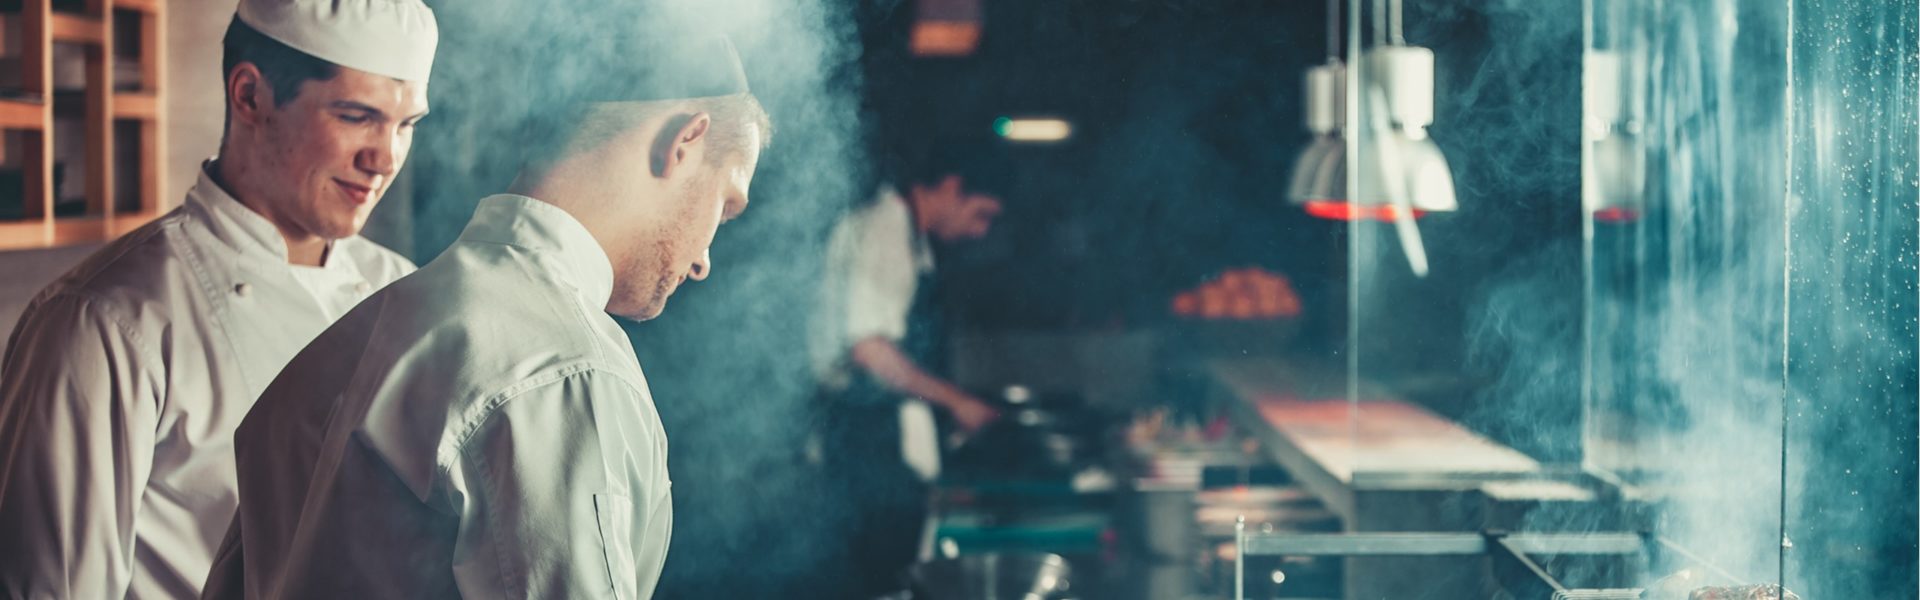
1242, 310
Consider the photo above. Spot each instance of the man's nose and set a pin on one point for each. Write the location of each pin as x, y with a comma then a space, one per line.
380, 156
701, 267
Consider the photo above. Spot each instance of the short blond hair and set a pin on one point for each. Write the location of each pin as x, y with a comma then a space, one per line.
735, 120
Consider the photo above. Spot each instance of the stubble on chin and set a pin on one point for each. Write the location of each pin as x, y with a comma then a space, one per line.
641, 291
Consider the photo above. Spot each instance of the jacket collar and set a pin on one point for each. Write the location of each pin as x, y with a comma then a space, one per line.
550, 233
232, 222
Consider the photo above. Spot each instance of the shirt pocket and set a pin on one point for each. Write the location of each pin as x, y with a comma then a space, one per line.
614, 514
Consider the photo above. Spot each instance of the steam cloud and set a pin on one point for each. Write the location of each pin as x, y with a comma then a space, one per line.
727, 360
1767, 290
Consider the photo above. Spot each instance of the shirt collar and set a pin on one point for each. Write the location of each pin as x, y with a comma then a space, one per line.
232, 222
550, 233
922, 248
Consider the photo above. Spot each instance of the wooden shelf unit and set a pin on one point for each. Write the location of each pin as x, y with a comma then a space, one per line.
100, 106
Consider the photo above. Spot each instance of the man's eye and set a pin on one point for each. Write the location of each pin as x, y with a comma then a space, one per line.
354, 119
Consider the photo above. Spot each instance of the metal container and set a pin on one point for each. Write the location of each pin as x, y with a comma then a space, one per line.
993, 576
1163, 512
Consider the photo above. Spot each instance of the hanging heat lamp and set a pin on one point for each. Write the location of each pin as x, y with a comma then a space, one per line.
1398, 81
1400, 167
1320, 175
1319, 183
1614, 166
1403, 164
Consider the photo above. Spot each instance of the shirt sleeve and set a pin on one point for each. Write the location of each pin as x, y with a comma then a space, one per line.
78, 414
566, 495
880, 279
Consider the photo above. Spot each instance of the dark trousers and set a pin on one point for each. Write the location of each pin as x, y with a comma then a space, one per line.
885, 502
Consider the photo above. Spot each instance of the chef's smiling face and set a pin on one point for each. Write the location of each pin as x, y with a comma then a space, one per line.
334, 149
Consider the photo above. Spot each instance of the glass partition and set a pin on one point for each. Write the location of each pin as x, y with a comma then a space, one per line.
1688, 268
1683, 137
1654, 256
1749, 174
1463, 242
1853, 212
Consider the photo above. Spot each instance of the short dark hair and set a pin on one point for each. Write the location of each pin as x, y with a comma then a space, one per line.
982, 165
284, 68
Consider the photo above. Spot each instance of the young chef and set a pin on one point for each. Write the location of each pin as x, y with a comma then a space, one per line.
482, 428
124, 380
875, 344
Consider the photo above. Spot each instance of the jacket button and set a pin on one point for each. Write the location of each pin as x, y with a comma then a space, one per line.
242, 289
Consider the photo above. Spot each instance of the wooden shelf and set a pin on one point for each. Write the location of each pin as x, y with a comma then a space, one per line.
145, 6
127, 106
20, 114
136, 106
76, 28
101, 112
68, 231
22, 235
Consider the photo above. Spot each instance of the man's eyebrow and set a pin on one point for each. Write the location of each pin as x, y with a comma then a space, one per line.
351, 105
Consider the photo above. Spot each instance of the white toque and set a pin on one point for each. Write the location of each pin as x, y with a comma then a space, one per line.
395, 38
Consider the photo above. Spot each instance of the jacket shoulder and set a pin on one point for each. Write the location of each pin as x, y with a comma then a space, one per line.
147, 268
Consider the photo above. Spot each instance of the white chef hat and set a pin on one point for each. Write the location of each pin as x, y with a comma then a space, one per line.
395, 38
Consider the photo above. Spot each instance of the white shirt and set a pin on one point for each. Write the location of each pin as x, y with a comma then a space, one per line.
480, 429
873, 268
124, 382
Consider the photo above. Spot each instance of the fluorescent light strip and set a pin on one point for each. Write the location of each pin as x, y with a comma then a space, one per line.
1033, 130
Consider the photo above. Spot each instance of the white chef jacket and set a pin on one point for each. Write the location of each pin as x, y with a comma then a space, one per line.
479, 429
124, 381
873, 268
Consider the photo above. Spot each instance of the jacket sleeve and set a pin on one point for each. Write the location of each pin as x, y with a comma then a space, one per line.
556, 493
77, 420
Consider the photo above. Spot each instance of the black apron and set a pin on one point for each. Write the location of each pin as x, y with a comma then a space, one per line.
864, 418
861, 444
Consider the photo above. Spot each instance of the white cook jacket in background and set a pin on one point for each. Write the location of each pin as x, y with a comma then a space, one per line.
123, 383
480, 429
873, 268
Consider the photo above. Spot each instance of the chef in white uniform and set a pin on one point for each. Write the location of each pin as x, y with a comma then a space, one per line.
124, 379
482, 428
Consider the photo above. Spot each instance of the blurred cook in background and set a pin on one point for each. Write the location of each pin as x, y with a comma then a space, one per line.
877, 351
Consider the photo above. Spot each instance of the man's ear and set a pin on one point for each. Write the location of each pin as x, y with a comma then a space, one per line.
248, 94
680, 141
